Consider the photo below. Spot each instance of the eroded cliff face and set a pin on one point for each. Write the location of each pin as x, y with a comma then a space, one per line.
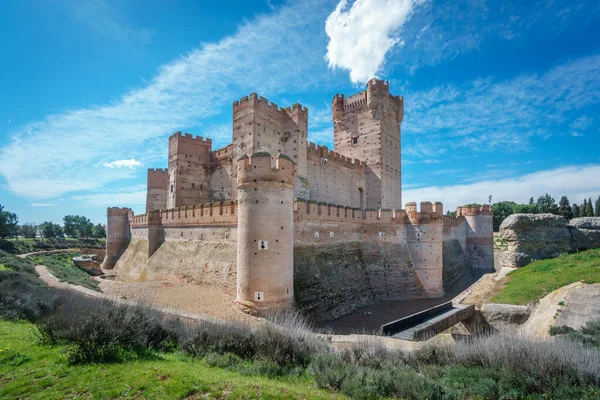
210, 260
331, 280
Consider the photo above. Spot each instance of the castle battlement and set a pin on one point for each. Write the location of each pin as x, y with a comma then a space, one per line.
324, 151
118, 211
259, 168
485, 209
270, 106
157, 170
188, 137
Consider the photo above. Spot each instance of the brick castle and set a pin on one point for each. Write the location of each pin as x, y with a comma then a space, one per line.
281, 220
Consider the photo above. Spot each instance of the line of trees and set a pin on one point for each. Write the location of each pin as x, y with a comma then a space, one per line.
75, 226
546, 204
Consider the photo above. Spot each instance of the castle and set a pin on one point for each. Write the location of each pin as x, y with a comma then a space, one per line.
281, 220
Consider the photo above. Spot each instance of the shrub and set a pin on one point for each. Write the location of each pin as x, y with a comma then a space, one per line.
102, 331
329, 371
588, 335
288, 340
23, 296
221, 338
11, 262
226, 360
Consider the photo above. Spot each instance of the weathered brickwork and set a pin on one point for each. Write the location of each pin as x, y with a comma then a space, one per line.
281, 220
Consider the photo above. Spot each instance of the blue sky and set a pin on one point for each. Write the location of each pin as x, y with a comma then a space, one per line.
501, 97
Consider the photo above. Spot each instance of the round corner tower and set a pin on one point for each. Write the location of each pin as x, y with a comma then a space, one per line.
117, 234
265, 255
480, 235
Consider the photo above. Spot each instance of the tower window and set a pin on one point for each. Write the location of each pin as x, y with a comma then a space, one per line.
354, 140
171, 188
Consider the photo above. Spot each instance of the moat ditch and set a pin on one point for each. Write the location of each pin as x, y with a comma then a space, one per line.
368, 319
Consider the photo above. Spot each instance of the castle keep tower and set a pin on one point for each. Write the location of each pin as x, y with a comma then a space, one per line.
367, 127
265, 269
158, 189
261, 126
117, 234
189, 170
480, 236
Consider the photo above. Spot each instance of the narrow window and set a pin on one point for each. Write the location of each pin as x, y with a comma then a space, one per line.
355, 140
171, 188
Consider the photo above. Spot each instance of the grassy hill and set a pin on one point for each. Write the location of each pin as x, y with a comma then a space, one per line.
540, 278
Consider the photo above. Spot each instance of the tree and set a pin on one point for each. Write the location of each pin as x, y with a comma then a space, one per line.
575, 211
50, 230
531, 201
584, 209
564, 208
8, 223
547, 204
525, 209
28, 230
99, 232
590, 208
597, 212
77, 226
501, 210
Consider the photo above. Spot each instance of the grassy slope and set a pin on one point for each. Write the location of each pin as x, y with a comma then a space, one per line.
61, 266
40, 372
539, 278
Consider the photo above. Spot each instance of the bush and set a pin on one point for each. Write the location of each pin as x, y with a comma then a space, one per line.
13, 263
101, 331
329, 371
221, 338
23, 296
588, 335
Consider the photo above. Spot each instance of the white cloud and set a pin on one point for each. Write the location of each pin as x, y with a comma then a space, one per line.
486, 114
361, 35
42, 205
131, 163
63, 152
576, 182
134, 199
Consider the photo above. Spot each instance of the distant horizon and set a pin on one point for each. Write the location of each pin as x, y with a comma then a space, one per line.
500, 100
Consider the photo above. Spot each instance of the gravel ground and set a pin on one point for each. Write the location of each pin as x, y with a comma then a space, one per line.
185, 297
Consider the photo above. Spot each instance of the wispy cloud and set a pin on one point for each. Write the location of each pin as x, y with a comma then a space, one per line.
576, 182
195, 86
107, 20
362, 34
42, 204
487, 114
131, 163
129, 198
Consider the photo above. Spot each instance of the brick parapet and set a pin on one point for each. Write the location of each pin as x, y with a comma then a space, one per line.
188, 137
208, 214
474, 210
259, 168
269, 105
324, 151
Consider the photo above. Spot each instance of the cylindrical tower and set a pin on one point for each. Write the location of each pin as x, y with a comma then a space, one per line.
117, 234
480, 235
265, 255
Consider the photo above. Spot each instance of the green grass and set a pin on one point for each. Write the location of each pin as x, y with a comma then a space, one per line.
36, 371
61, 266
539, 278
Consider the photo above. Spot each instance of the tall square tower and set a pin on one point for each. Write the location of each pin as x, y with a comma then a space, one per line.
367, 127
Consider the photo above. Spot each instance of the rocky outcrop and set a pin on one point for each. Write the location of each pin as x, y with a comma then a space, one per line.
585, 233
531, 237
498, 314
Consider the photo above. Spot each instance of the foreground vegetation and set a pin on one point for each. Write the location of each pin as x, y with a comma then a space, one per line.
62, 267
23, 246
536, 280
81, 346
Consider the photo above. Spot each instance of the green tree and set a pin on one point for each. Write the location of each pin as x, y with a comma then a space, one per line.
547, 204
597, 211
28, 230
50, 230
77, 226
590, 208
564, 208
531, 201
99, 232
9, 223
525, 209
501, 210
575, 211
